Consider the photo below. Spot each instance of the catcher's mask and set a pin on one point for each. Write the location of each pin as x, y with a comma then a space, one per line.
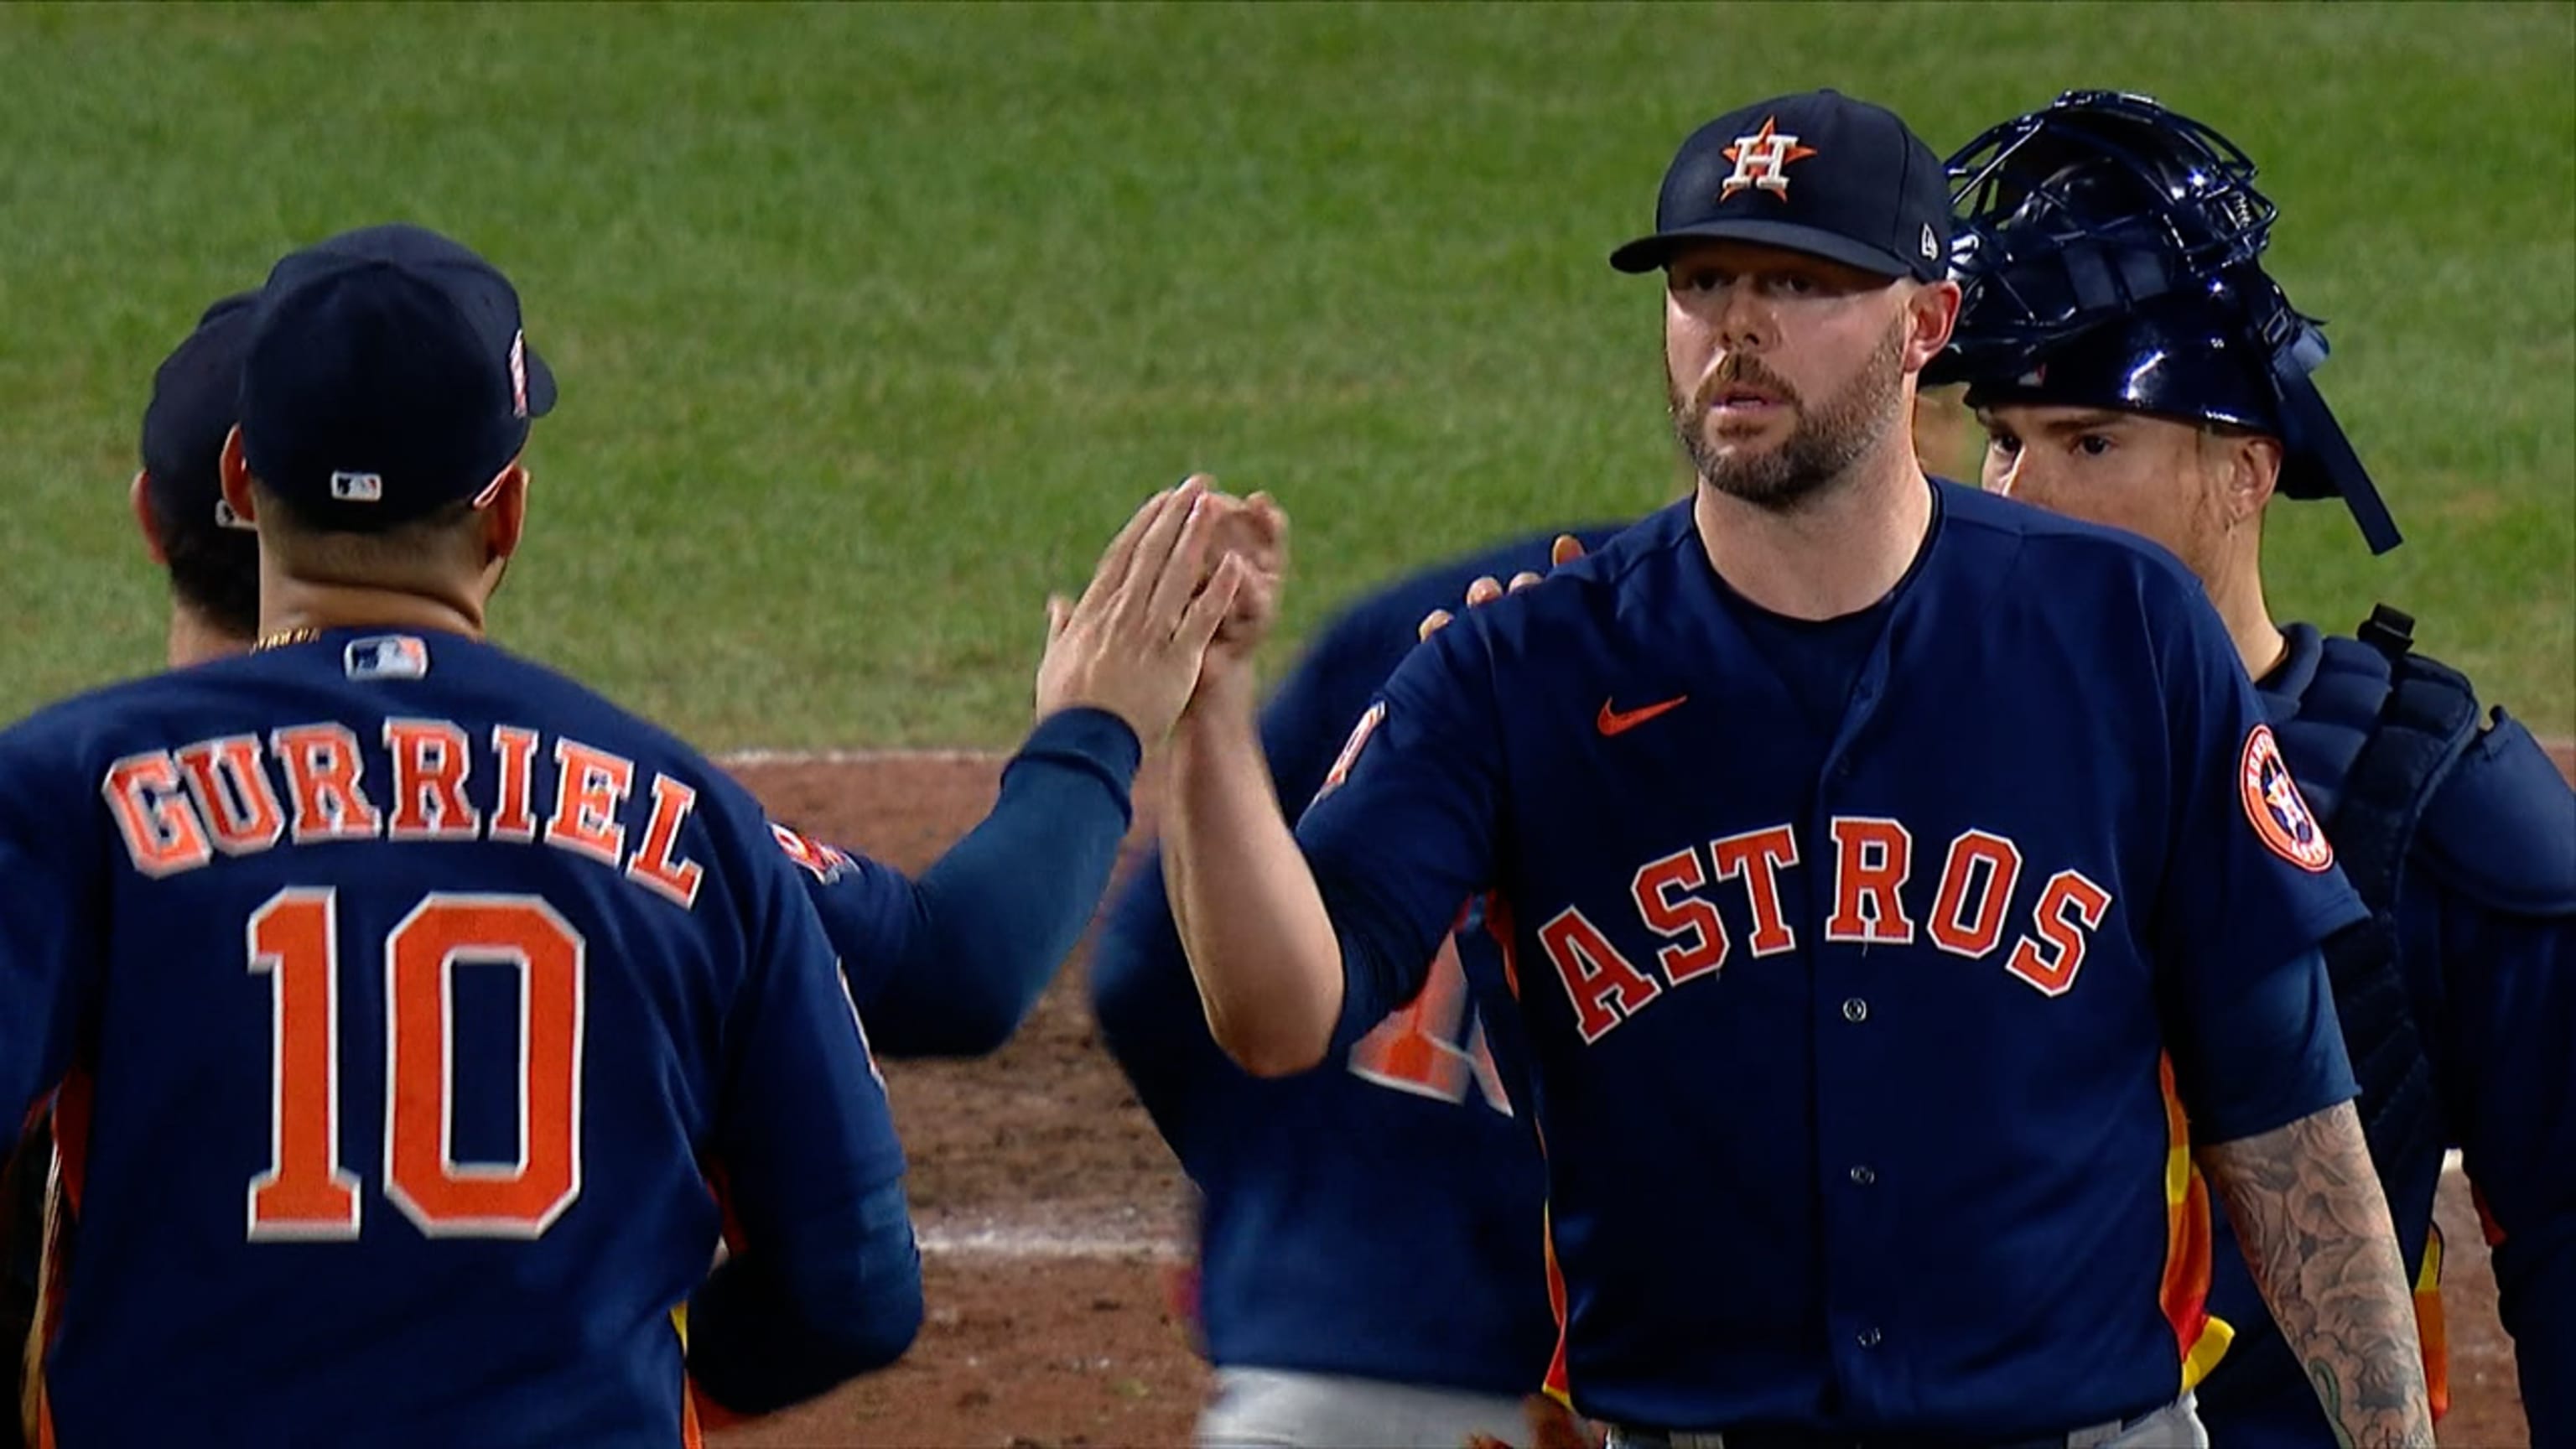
2106, 248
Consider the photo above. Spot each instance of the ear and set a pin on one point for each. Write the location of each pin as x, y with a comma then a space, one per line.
2253, 473
505, 511
140, 496
236, 477
1931, 310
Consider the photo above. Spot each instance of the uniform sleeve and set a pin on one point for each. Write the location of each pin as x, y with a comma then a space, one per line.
951, 964
871, 913
1306, 722
826, 1283
2249, 892
1403, 832
2512, 1004
52, 854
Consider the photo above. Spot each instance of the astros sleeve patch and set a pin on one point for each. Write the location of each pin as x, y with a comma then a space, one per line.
2281, 818
1351, 748
825, 863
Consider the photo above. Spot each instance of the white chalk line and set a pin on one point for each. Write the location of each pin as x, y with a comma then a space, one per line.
859, 757
1027, 1242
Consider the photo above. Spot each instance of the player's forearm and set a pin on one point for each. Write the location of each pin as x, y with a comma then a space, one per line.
775, 1326
1263, 951
2316, 1232
1002, 909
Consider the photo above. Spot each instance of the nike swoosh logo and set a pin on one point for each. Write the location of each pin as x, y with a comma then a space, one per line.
1620, 721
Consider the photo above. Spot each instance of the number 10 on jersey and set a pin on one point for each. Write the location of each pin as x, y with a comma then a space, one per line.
307, 1192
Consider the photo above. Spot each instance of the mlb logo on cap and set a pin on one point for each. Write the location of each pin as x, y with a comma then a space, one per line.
386, 376
386, 656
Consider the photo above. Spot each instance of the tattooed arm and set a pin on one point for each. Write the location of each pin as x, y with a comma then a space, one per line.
2316, 1232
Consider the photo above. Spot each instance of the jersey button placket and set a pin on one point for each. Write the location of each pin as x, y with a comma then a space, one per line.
1855, 1052
1866, 1062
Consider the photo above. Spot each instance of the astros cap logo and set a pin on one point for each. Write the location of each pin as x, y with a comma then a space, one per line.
2281, 818
1761, 160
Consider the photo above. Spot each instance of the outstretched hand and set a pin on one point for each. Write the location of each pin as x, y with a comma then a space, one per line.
1135, 641
1486, 589
1253, 532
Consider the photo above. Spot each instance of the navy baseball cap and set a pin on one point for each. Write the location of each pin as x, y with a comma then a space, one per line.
195, 395
1816, 172
387, 375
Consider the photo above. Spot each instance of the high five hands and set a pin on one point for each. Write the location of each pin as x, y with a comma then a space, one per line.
1180, 600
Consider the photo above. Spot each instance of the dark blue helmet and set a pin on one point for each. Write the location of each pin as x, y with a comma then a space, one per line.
2107, 252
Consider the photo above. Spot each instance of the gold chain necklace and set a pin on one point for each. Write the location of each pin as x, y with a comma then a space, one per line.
283, 638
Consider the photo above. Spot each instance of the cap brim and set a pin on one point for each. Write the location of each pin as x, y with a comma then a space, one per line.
1647, 253
541, 385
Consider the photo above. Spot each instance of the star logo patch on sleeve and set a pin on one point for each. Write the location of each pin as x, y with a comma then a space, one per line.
2281, 818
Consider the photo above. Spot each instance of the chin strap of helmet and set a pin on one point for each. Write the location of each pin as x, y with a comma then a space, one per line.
2296, 346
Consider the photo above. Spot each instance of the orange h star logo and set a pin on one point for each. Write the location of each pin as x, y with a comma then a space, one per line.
1761, 161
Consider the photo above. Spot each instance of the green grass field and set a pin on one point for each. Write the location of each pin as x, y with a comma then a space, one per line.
873, 322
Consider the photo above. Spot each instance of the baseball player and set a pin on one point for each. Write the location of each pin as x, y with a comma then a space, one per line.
407, 999
1370, 1268
210, 557
2179, 405
1862, 1041
948, 964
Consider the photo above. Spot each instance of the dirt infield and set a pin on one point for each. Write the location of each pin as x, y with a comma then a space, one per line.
1051, 1214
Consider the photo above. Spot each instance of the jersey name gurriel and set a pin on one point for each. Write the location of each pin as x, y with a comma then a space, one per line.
1963, 911
307, 784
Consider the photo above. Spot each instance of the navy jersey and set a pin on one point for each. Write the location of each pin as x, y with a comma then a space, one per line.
952, 963
1381, 1219
406, 999
1866, 1060
2486, 928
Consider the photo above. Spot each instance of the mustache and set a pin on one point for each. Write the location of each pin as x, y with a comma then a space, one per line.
1739, 370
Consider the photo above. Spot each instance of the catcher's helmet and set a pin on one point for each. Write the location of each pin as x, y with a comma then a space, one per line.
2106, 248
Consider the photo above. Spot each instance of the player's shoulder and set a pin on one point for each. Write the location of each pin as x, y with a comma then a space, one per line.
2494, 821
2501, 826
101, 723
563, 706
357, 678
479, 679
1631, 569
1356, 652
579, 727
1614, 599
1395, 609
2022, 556
2035, 539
